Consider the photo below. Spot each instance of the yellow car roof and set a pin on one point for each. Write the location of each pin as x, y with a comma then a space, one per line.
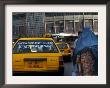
35, 39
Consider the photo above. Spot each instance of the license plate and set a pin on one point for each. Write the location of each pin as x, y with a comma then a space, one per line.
35, 64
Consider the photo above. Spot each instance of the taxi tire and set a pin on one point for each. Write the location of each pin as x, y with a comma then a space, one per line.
61, 71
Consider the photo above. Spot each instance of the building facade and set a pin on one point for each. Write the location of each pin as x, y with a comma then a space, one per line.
38, 23
28, 25
70, 22
19, 25
35, 24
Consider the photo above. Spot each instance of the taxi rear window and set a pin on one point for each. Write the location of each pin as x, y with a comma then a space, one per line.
35, 46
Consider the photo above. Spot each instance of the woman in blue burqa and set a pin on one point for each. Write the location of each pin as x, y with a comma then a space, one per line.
86, 53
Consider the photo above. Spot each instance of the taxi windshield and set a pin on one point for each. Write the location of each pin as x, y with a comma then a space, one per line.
62, 46
35, 46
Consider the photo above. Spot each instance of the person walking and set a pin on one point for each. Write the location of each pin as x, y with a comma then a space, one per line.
86, 52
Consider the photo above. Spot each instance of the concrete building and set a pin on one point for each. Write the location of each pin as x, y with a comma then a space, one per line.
35, 24
19, 25
28, 25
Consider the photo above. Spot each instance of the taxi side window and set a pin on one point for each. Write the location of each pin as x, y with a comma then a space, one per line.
65, 46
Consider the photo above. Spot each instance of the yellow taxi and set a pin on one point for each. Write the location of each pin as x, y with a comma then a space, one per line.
65, 50
14, 40
38, 55
48, 35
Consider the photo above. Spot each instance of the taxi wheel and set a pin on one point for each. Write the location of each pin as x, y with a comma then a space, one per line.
61, 71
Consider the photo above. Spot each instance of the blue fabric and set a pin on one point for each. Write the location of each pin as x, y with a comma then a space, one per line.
87, 39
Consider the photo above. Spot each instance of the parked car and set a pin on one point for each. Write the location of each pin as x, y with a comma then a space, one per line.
38, 55
65, 50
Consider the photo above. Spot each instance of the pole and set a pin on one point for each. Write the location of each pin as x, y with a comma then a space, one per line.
54, 25
83, 21
64, 25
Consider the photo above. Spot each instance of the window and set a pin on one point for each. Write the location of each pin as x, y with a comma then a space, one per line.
62, 46
35, 46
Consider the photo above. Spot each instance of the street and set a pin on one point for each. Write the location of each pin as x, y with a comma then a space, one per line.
68, 67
